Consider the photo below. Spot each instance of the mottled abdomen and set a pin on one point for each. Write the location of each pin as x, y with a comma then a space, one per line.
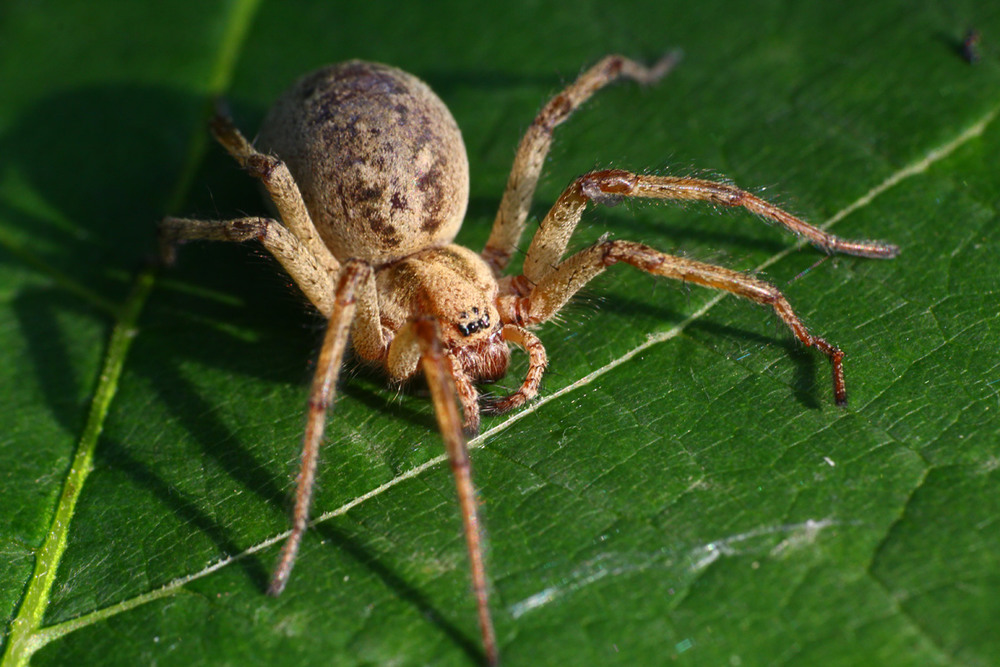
378, 157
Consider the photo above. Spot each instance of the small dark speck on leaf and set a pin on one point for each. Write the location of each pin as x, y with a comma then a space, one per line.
970, 46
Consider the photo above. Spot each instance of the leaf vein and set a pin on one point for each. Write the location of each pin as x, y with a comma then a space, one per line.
915, 168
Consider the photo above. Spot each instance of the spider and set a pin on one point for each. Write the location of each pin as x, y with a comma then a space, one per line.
368, 174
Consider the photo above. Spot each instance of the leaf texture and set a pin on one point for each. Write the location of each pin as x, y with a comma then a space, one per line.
684, 490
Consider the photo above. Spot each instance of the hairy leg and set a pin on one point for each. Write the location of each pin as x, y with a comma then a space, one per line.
548, 283
558, 286
534, 146
537, 362
321, 397
281, 187
313, 277
438, 372
610, 186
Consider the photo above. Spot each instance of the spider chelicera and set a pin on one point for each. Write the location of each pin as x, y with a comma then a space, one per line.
368, 173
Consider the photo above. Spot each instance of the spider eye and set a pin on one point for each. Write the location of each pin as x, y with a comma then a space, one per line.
467, 329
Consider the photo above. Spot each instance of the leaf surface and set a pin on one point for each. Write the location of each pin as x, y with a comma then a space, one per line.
683, 490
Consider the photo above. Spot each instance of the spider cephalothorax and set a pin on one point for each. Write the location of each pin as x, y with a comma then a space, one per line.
368, 174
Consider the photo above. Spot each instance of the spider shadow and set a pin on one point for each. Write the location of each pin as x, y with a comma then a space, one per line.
299, 335
115, 455
38, 312
405, 591
957, 43
65, 150
363, 389
805, 381
679, 223
91, 233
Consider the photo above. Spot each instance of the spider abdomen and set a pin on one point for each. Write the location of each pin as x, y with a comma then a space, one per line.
377, 156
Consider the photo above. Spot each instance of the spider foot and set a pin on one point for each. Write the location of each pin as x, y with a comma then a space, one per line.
499, 405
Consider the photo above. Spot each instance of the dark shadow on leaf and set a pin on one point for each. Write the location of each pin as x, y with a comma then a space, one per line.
37, 313
217, 442
113, 454
107, 188
956, 43
450, 82
693, 224
805, 387
397, 455
373, 391
104, 160
405, 591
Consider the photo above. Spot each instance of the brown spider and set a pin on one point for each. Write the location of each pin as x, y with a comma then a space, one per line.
369, 176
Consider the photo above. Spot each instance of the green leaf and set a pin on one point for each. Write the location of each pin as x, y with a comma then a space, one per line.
684, 490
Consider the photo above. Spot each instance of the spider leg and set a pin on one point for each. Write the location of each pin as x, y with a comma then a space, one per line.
321, 395
468, 396
277, 180
534, 146
547, 284
308, 271
553, 291
537, 362
609, 186
438, 371
403, 360
367, 337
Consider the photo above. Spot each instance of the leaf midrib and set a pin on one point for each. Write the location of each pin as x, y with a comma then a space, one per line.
25, 638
